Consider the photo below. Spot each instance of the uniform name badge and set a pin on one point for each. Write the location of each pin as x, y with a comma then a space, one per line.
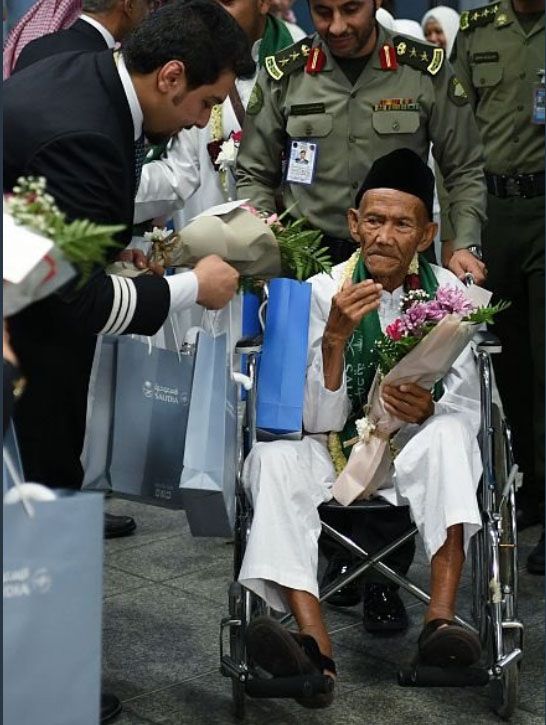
302, 162
539, 101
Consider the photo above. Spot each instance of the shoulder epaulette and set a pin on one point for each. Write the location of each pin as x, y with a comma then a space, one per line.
477, 18
288, 60
423, 56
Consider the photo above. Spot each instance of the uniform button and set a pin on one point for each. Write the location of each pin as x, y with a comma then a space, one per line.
395, 126
516, 139
482, 81
352, 139
308, 130
522, 75
520, 108
355, 184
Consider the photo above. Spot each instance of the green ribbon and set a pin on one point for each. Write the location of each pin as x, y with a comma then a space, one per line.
361, 358
276, 37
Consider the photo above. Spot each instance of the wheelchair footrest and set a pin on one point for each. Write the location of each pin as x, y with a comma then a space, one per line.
297, 686
426, 676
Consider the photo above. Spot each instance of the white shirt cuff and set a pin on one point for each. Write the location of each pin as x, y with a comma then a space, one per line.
184, 289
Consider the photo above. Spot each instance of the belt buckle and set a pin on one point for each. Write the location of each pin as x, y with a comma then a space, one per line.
513, 186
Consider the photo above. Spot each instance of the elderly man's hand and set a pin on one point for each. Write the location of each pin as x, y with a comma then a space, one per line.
349, 306
464, 262
409, 402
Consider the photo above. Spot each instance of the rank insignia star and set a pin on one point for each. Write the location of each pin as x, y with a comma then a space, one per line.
413, 53
294, 55
424, 56
284, 61
475, 16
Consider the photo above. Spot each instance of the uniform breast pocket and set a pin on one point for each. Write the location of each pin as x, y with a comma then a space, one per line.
486, 75
395, 121
314, 125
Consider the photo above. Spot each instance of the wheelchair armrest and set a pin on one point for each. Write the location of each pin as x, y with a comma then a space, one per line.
249, 345
486, 341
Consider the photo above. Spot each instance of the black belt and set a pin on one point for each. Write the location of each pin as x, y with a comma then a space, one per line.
522, 185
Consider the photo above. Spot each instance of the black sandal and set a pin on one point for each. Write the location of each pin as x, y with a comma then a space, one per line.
287, 654
444, 643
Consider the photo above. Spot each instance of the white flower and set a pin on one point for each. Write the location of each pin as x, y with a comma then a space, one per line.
364, 428
158, 234
228, 155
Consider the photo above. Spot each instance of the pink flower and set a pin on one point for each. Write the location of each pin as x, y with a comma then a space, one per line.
453, 299
272, 219
396, 330
237, 136
250, 208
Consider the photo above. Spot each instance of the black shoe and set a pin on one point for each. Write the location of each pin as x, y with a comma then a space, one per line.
110, 707
348, 595
116, 526
527, 516
535, 560
383, 609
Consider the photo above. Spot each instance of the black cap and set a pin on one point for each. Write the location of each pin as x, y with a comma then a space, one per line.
402, 170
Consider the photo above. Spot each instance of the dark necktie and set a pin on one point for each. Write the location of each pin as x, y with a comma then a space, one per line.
140, 155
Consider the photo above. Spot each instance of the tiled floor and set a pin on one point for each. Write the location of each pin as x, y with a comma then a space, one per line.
166, 592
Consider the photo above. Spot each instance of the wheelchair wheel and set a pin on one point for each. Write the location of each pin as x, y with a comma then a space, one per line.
504, 691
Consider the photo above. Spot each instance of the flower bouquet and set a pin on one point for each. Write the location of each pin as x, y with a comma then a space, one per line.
78, 246
258, 245
418, 347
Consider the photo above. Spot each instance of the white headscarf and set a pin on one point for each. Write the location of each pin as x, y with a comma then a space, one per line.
409, 27
384, 18
448, 19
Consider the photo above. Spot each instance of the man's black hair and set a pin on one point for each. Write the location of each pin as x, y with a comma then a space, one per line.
200, 33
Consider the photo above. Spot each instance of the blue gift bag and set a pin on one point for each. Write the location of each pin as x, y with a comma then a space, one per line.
283, 364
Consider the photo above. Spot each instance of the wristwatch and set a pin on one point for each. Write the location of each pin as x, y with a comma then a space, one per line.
476, 250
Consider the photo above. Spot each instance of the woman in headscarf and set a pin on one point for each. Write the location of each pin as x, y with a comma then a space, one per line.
440, 27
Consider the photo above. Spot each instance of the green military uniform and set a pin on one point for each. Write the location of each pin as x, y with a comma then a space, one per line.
410, 99
496, 56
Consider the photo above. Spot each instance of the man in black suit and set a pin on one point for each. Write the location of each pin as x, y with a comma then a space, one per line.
103, 23
78, 119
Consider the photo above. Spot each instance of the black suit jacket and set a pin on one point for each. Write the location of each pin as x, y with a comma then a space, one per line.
79, 37
67, 118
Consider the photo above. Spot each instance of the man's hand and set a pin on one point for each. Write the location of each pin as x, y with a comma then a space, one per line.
408, 402
217, 282
464, 262
140, 260
349, 306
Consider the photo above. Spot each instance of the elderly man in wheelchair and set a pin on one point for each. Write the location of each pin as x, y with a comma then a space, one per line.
436, 472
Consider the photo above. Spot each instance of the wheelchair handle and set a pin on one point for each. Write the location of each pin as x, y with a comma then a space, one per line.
299, 686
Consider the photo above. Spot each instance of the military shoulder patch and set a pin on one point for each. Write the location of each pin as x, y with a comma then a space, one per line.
288, 60
456, 93
256, 100
479, 17
422, 56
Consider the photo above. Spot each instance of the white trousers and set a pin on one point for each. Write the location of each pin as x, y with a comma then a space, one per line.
436, 474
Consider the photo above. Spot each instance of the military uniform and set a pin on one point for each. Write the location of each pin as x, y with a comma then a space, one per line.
497, 59
406, 96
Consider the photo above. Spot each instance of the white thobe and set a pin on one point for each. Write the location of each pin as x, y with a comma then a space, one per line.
436, 473
186, 177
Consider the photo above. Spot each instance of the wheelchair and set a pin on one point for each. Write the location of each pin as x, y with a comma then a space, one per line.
494, 561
